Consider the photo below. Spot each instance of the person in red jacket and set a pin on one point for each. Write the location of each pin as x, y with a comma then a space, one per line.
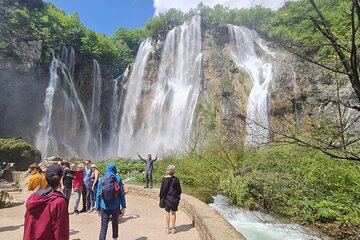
47, 215
78, 186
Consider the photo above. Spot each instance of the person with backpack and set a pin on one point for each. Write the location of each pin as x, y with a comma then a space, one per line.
149, 162
170, 192
47, 215
110, 201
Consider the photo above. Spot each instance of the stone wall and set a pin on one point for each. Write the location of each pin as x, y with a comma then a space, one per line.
209, 224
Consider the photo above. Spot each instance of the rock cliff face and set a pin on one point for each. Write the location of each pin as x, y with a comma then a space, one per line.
24, 77
298, 90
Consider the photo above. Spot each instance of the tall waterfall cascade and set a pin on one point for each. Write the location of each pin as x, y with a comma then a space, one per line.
163, 123
64, 126
249, 52
118, 86
95, 121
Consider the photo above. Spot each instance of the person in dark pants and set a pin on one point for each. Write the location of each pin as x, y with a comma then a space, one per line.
87, 187
170, 190
149, 169
67, 179
110, 210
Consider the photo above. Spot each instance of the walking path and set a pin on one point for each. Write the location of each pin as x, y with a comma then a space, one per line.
143, 220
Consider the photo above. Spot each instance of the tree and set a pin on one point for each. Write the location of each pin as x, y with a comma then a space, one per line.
325, 33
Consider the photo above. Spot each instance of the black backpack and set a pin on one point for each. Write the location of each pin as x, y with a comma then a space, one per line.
110, 188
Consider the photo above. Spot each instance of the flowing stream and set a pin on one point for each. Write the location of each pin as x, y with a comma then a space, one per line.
259, 226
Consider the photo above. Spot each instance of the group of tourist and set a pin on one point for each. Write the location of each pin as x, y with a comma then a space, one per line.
47, 215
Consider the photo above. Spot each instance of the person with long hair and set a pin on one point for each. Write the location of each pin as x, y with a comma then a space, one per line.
170, 190
47, 215
94, 181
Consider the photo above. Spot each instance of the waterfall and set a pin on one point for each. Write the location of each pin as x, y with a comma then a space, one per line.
133, 97
249, 52
64, 127
118, 85
95, 121
163, 122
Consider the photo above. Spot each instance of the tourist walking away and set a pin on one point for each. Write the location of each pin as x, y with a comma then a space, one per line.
47, 214
37, 178
110, 201
78, 186
67, 179
94, 181
170, 192
87, 186
149, 169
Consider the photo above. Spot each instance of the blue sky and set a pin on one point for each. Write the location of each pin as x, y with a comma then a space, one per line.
107, 16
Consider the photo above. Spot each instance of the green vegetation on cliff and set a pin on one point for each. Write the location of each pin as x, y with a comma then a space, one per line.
18, 151
34, 20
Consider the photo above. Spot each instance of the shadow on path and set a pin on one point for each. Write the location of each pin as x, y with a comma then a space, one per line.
127, 218
72, 232
10, 228
184, 227
142, 238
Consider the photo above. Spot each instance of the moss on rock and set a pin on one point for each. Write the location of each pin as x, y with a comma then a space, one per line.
19, 151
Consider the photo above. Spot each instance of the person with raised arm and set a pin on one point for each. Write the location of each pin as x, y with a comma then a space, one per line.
149, 162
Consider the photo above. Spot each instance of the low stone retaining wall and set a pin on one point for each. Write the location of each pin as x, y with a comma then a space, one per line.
208, 222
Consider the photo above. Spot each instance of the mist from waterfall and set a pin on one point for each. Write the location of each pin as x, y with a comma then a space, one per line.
249, 52
64, 126
163, 121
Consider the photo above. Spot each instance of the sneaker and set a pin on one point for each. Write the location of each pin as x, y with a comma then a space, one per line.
167, 230
173, 230
83, 210
146, 186
150, 187
90, 211
76, 212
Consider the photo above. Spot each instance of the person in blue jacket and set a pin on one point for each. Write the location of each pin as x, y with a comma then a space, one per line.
111, 210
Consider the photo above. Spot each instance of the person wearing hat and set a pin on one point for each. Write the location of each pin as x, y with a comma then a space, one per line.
170, 190
47, 215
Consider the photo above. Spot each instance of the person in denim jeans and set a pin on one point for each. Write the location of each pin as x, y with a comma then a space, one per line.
111, 210
87, 186
94, 181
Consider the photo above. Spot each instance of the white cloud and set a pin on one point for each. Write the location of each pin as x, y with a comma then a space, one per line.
184, 5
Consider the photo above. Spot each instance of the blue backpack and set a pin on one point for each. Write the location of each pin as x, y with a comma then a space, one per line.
110, 188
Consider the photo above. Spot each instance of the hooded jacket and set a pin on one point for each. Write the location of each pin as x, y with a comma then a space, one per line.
46, 216
120, 201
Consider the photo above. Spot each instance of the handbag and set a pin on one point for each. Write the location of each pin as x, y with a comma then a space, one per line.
162, 203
